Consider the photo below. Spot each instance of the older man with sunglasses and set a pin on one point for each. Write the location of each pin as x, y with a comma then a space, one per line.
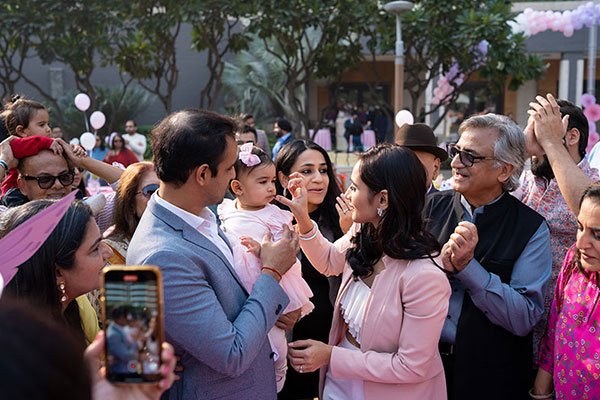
47, 175
497, 252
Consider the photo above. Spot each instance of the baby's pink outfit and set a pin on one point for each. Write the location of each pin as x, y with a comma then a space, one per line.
256, 224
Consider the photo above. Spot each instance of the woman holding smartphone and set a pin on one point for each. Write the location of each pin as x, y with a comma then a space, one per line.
389, 279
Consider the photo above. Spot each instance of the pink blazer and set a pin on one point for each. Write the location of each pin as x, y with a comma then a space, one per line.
403, 321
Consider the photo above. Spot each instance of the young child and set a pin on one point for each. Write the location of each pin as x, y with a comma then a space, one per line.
251, 215
28, 120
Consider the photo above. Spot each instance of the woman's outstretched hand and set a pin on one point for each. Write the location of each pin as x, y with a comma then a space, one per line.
298, 205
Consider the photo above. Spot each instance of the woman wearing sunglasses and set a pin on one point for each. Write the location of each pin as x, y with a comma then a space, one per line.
136, 185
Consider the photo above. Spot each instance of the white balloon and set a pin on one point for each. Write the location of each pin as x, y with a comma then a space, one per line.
404, 117
82, 102
87, 140
97, 119
74, 141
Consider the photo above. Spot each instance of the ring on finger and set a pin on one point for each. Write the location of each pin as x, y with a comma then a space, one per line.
300, 368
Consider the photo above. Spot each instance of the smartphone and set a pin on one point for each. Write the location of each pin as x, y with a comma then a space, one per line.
132, 317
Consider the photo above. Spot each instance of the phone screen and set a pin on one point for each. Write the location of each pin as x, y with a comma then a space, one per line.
133, 324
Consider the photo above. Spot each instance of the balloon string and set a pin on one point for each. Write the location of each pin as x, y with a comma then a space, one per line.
87, 127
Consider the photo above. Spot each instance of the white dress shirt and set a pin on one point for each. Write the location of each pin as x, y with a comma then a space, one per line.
205, 223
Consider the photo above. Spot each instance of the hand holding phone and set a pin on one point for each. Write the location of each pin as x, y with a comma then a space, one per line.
132, 310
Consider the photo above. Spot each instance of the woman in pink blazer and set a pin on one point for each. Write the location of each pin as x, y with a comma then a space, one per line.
393, 300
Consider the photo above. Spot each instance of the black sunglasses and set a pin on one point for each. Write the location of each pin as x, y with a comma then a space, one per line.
47, 181
148, 190
467, 159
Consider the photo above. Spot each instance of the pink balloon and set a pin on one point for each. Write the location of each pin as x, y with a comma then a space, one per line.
82, 102
97, 119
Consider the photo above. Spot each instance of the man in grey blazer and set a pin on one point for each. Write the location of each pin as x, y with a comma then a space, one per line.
217, 328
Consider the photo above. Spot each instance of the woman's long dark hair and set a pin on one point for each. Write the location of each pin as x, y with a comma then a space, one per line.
400, 233
285, 160
35, 280
125, 218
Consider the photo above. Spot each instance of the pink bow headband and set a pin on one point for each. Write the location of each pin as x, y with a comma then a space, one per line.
246, 156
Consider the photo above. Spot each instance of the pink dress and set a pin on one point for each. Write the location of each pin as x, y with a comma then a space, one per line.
570, 350
256, 224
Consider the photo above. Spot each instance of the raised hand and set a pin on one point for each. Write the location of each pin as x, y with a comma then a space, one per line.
550, 126
299, 203
531, 143
6, 153
344, 209
56, 147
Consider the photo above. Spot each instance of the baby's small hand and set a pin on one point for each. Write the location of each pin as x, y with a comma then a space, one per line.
251, 245
56, 147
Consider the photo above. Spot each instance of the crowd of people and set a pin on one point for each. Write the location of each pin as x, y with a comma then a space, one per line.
281, 283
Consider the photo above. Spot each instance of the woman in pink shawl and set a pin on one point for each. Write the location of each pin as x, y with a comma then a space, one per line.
569, 356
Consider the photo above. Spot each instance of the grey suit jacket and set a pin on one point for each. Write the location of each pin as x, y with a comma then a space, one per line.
218, 329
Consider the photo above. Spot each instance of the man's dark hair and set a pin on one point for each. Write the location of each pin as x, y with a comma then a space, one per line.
576, 120
284, 124
187, 139
246, 117
132, 120
119, 312
249, 129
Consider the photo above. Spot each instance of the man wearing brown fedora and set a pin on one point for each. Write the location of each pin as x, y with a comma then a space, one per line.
421, 139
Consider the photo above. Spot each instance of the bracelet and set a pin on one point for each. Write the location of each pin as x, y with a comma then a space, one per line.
540, 396
4, 165
273, 270
314, 234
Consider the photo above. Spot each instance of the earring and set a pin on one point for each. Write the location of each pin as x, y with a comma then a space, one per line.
284, 192
380, 211
63, 296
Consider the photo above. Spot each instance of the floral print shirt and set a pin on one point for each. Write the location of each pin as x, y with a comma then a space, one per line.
570, 350
545, 198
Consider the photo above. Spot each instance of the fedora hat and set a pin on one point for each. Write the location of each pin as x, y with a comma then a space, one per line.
420, 137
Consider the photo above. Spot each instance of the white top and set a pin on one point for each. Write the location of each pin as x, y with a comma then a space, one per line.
353, 306
205, 223
137, 144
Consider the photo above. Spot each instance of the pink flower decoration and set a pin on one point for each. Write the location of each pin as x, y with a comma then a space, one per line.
587, 100
246, 156
592, 112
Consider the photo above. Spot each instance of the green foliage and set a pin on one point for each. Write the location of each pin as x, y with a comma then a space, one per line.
78, 34
255, 81
145, 47
312, 39
117, 104
437, 34
217, 29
